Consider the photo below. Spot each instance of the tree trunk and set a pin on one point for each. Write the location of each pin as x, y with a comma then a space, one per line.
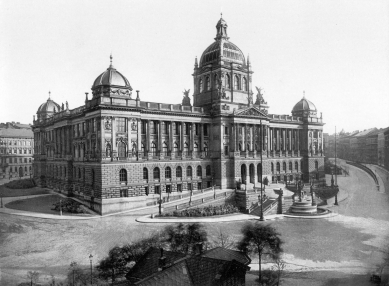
260, 268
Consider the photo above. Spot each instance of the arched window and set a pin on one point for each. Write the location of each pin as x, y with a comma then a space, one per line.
244, 84
207, 83
145, 174
208, 170
228, 81
236, 83
153, 148
143, 149
179, 172
201, 85
205, 148
123, 176
215, 81
296, 166
278, 167
186, 147
189, 171
259, 172
195, 147
164, 147
316, 165
156, 173
121, 150
290, 166
108, 150
168, 173
284, 166
79, 173
199, 171
272, 167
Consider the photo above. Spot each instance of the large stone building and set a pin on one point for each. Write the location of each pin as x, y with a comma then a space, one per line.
16, 150
117, 151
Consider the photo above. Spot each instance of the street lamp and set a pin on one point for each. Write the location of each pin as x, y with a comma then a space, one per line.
160, 202
60, 207
90, 259
214, 190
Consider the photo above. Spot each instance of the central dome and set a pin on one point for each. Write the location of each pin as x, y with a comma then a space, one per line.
222, 48
111, 77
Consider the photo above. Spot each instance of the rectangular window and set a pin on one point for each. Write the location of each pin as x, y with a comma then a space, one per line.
226, 130
123, 193
187, 128
199, 187
196, 127
121, 124
147, 191
179, 187
205, 129
175, 128
189, 186
156, 189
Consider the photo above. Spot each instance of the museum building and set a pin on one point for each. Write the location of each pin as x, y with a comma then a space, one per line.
116, 150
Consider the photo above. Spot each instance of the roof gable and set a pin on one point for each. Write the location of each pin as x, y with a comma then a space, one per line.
250, 112
227, 254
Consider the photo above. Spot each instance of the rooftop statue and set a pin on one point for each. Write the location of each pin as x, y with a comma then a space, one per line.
260, 99
186, 99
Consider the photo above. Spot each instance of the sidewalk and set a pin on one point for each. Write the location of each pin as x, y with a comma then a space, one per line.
149, 209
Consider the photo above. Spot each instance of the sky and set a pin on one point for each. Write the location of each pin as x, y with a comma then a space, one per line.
335, 51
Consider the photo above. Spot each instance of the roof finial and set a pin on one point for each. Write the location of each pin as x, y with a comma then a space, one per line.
110, 57
221, 15
49, 94
304, 94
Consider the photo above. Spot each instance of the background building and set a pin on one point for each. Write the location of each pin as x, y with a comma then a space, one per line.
16, 150
116, 151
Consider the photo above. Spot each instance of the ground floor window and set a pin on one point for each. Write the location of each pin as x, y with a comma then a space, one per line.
179, 187
208, 184
189, 186
123, 193
199, 187
147, 191
156, 189
168, 188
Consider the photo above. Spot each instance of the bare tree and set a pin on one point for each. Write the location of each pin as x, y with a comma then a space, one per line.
278, 267
33, 276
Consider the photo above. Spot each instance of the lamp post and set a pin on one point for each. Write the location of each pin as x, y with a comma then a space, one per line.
214, 190
91, 278
261, 217
60, 207
160, 202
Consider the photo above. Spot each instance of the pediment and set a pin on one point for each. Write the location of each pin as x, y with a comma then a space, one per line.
251, 112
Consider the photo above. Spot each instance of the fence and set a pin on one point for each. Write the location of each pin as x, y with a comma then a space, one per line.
367, 170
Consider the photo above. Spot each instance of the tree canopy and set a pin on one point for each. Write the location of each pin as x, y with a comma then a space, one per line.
260, 239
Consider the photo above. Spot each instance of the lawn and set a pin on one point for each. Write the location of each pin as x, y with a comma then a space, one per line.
6, 192
41, 204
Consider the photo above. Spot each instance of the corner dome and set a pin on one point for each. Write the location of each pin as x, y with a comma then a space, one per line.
222, 48
304, 105
111, 77
49, 107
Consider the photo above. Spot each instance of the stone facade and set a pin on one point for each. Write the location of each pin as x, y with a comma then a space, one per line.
116, 151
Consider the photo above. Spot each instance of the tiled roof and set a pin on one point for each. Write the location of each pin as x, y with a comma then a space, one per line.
227, 254
149, 263
17, 133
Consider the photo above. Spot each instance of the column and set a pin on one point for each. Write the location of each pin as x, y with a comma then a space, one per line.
251, 136
147, 147
191, 136
159, 134
298, 139
102, 137
139, 137
201, 137
129, 137
171, 136
113, 136
182, 129
278, 139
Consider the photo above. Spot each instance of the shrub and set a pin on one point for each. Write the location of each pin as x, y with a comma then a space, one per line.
68, 205
20, 184
204, 211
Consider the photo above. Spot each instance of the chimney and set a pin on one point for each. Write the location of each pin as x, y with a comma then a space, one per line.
161, 261
199, 249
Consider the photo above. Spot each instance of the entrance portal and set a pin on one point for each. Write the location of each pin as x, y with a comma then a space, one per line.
252, 176
243, 173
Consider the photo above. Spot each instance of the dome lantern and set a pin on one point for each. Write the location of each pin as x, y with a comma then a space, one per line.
304, 108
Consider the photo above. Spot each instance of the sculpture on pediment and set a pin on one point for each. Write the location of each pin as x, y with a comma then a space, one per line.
67, 106
186, 99
260, 100
62, 107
